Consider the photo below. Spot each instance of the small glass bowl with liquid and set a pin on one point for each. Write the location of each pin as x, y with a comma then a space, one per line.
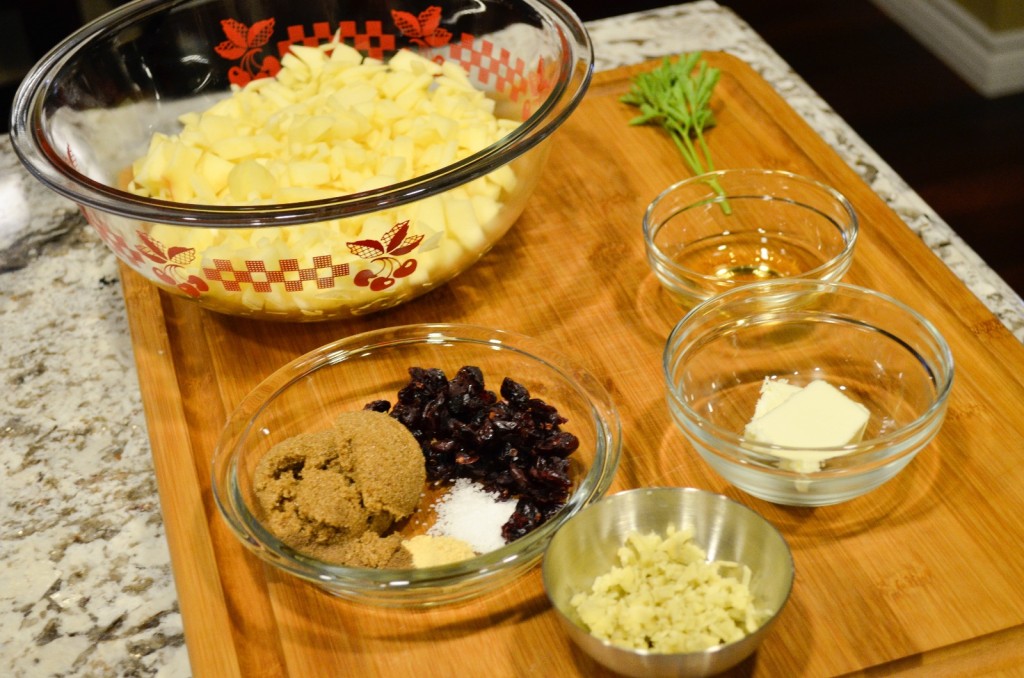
717, 231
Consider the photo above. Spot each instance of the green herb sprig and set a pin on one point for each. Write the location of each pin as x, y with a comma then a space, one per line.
677, 96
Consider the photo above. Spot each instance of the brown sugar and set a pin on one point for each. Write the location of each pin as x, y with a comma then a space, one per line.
334, 495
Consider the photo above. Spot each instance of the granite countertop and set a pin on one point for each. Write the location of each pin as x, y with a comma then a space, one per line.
86, 587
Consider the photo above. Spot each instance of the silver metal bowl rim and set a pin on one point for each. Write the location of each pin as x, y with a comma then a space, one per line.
671, 490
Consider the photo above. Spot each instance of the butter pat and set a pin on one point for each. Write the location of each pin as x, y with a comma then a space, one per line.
816, 416
774, 392
808, 421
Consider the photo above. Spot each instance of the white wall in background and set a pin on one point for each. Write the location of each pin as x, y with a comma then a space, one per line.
992, 62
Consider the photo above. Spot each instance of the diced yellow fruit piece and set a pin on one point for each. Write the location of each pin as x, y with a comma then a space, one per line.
453, 74
307, 173
462, 222
504, 177
391, 87
411, 98
148, 170
312, 57
251, 181
344, 54
349, 125
353, 178
216, 127
445, 257
192, 136
391, 166
354, 94
378, 223
277, 94
201, 189
429, 214
474, 138
439, 154
266, 144
252, 299
403, 146
214, 171
486, 210
292, 65
413, 62
387, 111
228, 107
375, 182
234, 148
310, 130
484, 188
180, 168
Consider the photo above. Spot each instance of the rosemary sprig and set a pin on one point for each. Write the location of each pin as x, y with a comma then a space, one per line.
677, 96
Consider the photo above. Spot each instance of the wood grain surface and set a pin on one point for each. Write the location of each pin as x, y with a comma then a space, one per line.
923, 576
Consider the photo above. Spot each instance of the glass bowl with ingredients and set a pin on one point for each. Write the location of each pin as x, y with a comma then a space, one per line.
417, 465
675, 582
302, 161
807, 393
720, 230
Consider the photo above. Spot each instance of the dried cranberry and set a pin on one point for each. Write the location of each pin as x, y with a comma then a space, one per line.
560, 443
527, 518
514, 392
513, 446
378, 406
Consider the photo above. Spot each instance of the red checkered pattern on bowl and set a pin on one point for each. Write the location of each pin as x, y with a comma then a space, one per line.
480, 58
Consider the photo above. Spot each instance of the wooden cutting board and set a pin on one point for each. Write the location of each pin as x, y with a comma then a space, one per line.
923, 575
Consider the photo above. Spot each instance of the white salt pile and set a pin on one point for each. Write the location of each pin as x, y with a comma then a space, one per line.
472, 514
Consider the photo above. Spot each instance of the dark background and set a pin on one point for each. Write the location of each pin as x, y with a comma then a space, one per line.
963, 153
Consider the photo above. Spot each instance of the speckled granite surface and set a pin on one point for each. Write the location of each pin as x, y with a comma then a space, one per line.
85, 581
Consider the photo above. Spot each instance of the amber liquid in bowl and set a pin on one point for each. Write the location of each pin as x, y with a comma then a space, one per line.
746, 257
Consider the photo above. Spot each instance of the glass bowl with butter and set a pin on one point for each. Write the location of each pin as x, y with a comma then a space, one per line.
807, 393
303, 161
415, 466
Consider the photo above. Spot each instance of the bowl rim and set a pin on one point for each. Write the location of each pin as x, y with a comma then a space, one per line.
48, 165
709, 495
872, 452
403, 581
849, 230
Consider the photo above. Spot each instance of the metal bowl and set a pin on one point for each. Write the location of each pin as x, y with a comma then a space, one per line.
585, 548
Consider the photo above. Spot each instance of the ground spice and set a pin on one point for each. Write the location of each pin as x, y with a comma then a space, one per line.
428, 550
